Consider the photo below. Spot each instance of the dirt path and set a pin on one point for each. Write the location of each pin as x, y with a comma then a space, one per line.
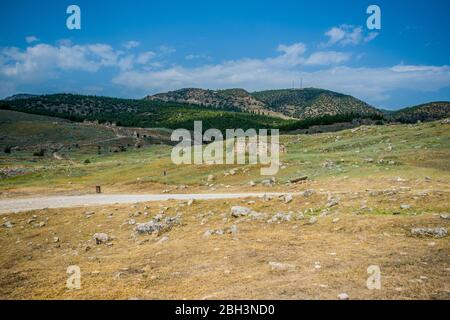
26, 204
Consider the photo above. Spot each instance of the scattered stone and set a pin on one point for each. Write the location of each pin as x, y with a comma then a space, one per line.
312, 220
267, 182
209, 233
55, 239
430, 232
332, 202
8, 224
343, 296
278, 266
336, 220
328, 164
211, 178
288, 198
445, 216
280, 217
405, 206
238, 211
298, 179
163, 239
100, 238
252, 183
190, 202
307, 193
157, 224
233, 230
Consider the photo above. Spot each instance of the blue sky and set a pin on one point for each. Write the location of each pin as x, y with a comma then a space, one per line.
133, 48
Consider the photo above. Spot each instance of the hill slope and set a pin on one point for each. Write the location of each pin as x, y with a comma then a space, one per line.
311, 103
424, 112
288, 103
138, 113
230, 99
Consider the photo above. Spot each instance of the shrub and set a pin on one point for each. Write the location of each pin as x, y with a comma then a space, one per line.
39, 153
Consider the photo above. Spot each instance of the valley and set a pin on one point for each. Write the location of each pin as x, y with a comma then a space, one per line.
372, 194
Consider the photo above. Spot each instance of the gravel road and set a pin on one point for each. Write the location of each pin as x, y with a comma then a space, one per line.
27, 204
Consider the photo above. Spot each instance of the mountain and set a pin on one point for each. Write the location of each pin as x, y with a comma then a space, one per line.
311, 103
230, 99
424, 112
20, 96
139, 112
222, 109
287, 103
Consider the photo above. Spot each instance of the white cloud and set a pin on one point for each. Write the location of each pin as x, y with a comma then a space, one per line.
131, 44
345, 35
145, 57
144, 72
372, 84
324, 58
166, 49
31, 39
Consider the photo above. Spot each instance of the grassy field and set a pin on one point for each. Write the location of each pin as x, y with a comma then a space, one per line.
376, 152
384, 181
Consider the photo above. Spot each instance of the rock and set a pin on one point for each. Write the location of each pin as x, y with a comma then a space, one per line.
55, 239
8, 224
332, 202
445, 216
430, 232
343, 296
157, 224
210, 178
252, 183
238, 211
328, 164
312, 220
280, 216
233, 230
100, 238
278, 266
405, 206
445, 121
298, 179
41, 224
163, 239
336, 220
190, 202
307, 193
288, 198
267, 182
258, 216
208, 233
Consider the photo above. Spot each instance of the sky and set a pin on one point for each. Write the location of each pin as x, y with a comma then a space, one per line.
135, 48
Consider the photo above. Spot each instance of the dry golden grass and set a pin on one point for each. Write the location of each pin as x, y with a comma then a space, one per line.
189, 266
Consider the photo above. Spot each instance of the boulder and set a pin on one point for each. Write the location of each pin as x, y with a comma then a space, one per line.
238, 211
429, 232
298, 179
278, 266
100, 238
